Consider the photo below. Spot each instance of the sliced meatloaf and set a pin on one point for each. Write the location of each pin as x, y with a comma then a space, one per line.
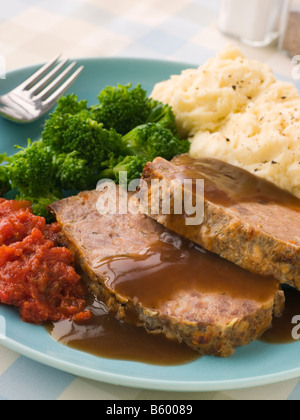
159, 281
247, 220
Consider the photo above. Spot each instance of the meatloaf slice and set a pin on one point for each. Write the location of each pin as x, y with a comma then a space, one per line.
159, 281
247, 220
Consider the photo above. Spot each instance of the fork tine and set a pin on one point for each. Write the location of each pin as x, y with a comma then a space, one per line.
63, 88
38, 74
43, 95
39, 86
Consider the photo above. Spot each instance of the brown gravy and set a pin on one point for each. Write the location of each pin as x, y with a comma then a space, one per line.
106, 336
281, 331
155, 275
228, 185
172, 265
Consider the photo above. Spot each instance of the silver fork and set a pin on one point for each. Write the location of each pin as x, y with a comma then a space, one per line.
36, 96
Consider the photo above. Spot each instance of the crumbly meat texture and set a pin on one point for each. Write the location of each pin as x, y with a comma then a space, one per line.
261, 237
211, 323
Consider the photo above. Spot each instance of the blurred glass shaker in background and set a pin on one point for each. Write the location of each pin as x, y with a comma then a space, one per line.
254, 22
290, 31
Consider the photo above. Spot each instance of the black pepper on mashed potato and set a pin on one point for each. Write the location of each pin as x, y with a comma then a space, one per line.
235, 110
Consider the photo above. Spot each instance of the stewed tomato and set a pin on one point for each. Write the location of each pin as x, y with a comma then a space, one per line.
36, 275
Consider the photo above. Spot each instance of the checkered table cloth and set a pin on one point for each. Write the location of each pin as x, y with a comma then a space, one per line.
33, 31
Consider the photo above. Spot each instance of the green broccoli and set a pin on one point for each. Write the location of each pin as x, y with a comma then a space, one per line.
143, 144
31, 170
162, 114
68, 133
40, 175
4, 180
3, 158
81, 145
74, 173
4, 175
122, 107
132, 165
152, 140
32, 173
69, 104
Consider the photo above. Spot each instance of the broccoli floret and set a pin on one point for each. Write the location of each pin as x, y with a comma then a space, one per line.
122, 107
3, 158
4, 175
4, 180
133, 165
143, 144
68, 133
162, 114
31, 170
152, 140
69, 104
32, 173
74, 173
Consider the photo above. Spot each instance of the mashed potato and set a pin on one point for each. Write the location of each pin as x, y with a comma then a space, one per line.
234, 109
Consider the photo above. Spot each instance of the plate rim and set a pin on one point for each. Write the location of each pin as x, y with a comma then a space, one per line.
148, 384
122, 379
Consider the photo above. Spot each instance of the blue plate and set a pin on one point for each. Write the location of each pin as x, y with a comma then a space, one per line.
257, 364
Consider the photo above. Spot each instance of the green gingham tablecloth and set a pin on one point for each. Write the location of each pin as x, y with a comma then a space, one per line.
33, 31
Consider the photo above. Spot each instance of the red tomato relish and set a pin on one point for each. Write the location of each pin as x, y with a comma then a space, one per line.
37, 276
